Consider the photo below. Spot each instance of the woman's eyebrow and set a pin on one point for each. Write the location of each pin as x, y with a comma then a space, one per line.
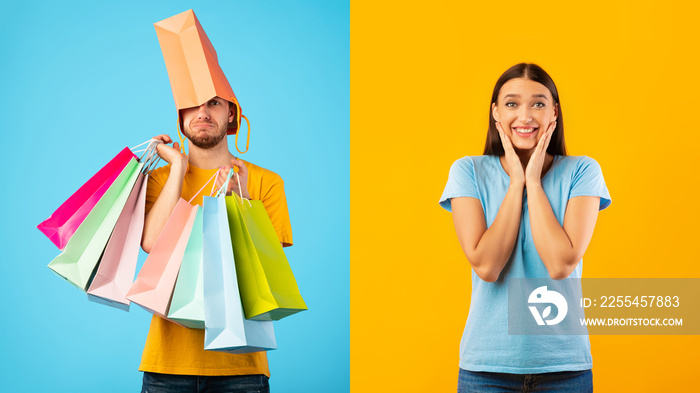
518, 96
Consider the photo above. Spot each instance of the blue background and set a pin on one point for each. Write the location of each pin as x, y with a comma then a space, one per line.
82, 80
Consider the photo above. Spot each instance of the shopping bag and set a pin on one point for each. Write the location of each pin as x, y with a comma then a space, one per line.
67, 218
115, 272
81, 255
154, 285
268, 288
187, 305
226, 328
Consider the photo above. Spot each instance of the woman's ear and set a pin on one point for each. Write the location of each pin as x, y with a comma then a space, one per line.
494, 112
556, 111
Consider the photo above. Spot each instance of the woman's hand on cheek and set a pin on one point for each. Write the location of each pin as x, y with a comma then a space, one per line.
533, 172
515, 168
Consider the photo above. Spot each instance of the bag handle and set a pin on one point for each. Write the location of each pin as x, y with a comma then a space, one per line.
225, 185
152, 158
205, 184
149, 154
247, 143
240, 192
150, 142
182, 139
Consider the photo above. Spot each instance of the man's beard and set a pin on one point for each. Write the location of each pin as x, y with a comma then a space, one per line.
206, 141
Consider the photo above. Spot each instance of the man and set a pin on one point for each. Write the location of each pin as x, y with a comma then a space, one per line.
174, 358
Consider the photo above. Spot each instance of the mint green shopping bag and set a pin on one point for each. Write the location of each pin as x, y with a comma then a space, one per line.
268, 288
79, 259
187, 304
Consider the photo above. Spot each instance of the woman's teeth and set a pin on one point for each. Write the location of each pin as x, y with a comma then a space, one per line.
525, 130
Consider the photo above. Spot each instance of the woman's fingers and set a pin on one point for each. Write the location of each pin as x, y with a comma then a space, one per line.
500, 130
548, 135
543, 142
511, 156
507, 146
534, 167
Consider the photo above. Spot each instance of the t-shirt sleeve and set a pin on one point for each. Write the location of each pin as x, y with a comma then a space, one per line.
156, 180
588, 181
275, 202
460, 183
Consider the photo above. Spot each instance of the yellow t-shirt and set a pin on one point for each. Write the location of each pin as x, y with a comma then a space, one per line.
174, 349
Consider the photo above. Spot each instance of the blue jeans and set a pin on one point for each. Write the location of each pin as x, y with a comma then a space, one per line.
169, 383
561, 382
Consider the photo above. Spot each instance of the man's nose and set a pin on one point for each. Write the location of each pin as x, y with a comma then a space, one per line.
203, 112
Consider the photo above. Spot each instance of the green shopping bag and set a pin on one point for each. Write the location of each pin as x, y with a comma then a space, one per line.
77, 263
268, 288
187, 304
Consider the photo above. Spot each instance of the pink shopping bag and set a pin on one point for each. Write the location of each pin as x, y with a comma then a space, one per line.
154, 285
67, 218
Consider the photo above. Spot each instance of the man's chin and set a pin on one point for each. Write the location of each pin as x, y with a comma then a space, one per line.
206, 141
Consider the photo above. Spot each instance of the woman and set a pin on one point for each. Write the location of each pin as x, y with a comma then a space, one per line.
523, 209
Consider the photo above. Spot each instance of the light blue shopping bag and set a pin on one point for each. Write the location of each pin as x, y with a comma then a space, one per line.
226, 328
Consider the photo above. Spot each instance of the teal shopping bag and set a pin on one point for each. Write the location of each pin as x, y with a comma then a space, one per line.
79, 259
187, 304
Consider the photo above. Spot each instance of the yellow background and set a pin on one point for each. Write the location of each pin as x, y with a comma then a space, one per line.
421, 79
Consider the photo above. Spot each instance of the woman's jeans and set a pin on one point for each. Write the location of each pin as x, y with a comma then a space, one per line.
564, 382
167, 383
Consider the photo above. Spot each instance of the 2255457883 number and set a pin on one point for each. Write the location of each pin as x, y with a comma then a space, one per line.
639, 301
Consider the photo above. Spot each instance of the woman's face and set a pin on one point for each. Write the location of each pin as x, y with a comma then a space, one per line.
524, 109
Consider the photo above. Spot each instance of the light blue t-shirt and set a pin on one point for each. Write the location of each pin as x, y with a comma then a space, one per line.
486, 345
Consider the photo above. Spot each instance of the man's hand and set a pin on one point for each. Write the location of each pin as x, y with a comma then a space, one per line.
169, 194
171, 155
241, 173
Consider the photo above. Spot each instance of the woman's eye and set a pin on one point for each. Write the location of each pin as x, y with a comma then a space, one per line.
511, 104
213, 102
538, 105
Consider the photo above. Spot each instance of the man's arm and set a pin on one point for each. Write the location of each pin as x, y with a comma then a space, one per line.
158, 215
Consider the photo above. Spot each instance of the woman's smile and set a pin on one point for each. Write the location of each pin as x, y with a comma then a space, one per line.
525, 132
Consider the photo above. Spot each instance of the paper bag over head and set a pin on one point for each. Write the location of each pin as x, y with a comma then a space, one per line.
193, 67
